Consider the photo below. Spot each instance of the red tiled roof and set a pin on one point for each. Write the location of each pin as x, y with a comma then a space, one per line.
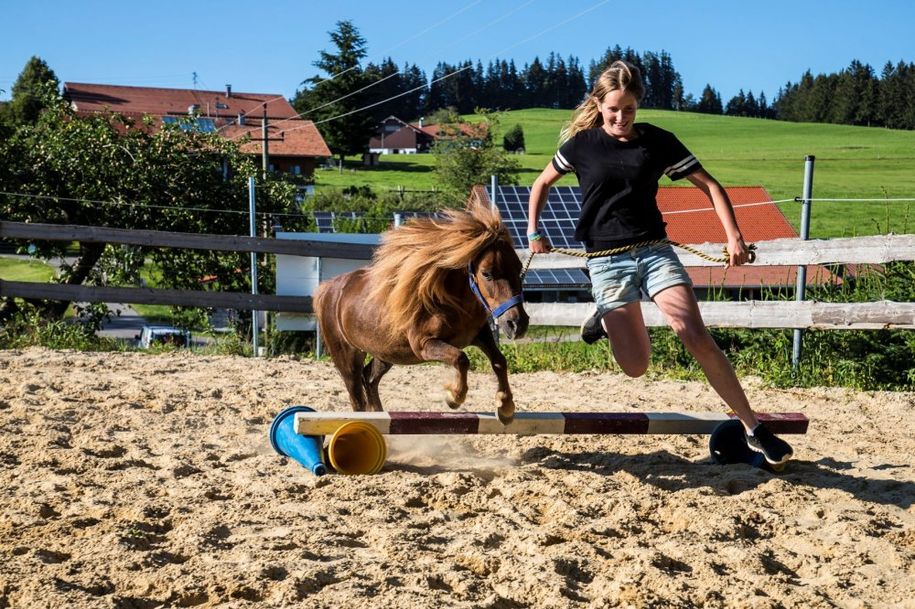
299, 137
751, 276
467, 129
87, 97
757, 223
295, 136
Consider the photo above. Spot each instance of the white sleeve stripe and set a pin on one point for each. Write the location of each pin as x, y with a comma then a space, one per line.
562, 162
676, 166
682, 165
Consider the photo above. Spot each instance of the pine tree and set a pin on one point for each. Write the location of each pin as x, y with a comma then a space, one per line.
577, 87
710, 102
334, 97
35, 84
535, 84
737, 106
413, 79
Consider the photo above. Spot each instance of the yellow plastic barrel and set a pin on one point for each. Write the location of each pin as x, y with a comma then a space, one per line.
357, 448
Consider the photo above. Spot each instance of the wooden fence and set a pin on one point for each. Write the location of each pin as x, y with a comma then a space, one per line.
751, 314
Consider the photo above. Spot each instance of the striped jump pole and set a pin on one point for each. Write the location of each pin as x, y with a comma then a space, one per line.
357, 444
534, 423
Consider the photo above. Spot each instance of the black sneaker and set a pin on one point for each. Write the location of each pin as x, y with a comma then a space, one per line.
592, 330
774, 449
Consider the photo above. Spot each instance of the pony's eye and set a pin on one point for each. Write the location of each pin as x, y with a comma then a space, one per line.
486, 275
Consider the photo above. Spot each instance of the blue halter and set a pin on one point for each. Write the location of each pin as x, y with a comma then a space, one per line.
502, 308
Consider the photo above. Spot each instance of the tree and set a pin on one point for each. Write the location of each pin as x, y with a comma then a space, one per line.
535, 84
334, 102
710, 102
106, 170
467, 157
737, 106
403, 88
29, 93
513, 140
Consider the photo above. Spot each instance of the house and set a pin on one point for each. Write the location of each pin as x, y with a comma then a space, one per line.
294, 145
690, 219
399, 137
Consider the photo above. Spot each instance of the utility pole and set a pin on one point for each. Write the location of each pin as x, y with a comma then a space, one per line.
265, 140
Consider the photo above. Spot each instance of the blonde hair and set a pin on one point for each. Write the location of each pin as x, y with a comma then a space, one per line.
621, 75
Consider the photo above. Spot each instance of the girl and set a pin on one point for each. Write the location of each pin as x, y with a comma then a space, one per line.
618, 163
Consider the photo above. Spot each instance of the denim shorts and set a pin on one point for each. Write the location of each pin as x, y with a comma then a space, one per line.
621, 278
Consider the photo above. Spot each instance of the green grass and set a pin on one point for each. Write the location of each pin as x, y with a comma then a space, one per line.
12, 269
852, 162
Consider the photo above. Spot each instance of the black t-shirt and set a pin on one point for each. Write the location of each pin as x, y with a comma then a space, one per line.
619, 183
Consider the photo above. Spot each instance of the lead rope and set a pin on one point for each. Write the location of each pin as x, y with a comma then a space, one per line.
619, 250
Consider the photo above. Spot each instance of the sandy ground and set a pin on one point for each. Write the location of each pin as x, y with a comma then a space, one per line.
141, 481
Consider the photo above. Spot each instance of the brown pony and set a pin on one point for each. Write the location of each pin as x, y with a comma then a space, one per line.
415, 303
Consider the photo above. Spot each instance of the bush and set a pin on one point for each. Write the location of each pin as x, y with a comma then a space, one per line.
513, 140
27, 328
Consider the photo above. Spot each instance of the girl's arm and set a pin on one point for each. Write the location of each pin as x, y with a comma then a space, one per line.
737, 249
535, 205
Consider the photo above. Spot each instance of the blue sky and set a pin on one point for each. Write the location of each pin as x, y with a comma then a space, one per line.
270, 47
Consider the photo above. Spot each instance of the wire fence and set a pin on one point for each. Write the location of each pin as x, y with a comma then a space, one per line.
400, 190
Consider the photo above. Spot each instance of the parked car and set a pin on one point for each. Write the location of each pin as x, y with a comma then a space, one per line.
163, 335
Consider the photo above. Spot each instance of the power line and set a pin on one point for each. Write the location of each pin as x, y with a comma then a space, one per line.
145, 205
341, 215
398, 72
734, 205
415, 36
401, 43
887, 200
458, 71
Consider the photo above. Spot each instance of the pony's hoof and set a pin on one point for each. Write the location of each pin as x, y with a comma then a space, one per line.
451, 401
506, 412
505, 417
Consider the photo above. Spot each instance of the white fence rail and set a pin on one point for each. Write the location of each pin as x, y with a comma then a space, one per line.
754, 314
767, 314
794, 252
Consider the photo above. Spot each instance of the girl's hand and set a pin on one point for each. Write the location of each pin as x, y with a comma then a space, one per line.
738, 252
540, 246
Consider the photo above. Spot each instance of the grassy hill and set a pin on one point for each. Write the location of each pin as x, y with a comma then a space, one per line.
851, 163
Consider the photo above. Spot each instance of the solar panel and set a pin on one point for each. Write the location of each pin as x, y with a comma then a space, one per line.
206, 125
557, 219
327, 221
556, 279
203, 125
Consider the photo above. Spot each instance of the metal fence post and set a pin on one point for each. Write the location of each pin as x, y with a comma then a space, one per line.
255, 330
319, 346
802, 270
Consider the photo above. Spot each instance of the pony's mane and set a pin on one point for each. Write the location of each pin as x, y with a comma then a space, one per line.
410, 266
